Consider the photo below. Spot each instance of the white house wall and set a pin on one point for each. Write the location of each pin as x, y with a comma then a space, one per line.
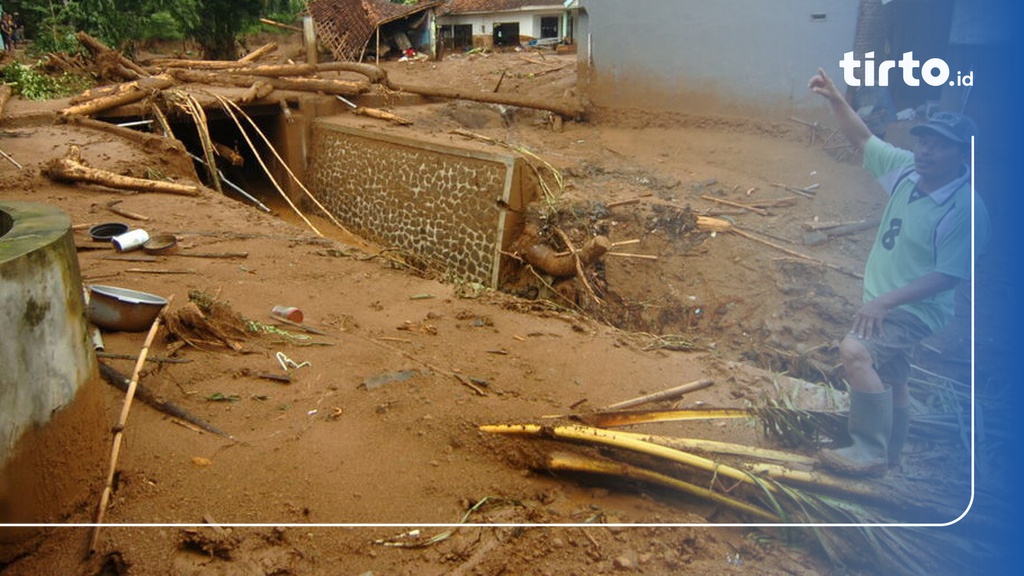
483, 24
711, 56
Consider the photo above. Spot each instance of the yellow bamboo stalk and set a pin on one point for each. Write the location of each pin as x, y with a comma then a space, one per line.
617, 440
717, 447
573, 463
817, 479
629, 417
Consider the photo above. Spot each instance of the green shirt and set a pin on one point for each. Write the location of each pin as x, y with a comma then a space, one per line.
920, 233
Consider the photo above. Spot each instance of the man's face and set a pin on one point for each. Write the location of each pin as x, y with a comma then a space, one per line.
937, 157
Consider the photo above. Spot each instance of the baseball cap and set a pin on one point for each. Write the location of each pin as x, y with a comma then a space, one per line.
956, 127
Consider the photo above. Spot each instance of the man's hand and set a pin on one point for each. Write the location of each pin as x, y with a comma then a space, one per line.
821, 84
850, 124
868, 320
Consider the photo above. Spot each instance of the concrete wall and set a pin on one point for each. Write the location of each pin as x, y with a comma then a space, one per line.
702, 56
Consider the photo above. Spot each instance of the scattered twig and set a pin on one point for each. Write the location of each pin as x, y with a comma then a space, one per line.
631, 255
112, 206
158, 271
11, 160
625, 242
579, 264
662, 395
213, 254
753, 209
618, 203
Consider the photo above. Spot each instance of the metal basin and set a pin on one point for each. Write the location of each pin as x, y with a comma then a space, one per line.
122, 309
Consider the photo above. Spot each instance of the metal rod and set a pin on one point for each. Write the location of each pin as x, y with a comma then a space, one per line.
259, 204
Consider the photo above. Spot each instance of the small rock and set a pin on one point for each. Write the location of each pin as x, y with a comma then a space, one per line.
624, 563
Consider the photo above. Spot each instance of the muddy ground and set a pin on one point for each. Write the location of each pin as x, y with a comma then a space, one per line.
381, 426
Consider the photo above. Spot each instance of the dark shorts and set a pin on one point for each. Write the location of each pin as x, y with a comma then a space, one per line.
891, 351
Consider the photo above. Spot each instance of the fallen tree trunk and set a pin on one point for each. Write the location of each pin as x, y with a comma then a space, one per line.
567, 109
333, 87
71, 169
99, 49
548, 260
136, 90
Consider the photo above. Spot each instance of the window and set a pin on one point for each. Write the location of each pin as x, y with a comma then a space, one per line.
549, 27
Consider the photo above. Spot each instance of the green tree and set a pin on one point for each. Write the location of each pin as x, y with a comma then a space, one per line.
214, 24
218, 24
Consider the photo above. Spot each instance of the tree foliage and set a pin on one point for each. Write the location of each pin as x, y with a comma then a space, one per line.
219, 23
213, 24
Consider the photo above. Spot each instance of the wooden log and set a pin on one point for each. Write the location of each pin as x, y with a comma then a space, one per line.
259, 52
258, 91
145, 139
333, 87
270, 22
71, 169
568, 109
143, 87
327, 86
373, 73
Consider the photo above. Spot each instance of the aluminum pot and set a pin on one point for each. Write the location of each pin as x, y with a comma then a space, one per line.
121, 309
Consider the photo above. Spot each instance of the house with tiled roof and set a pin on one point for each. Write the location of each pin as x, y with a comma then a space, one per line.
354, 29
466, 24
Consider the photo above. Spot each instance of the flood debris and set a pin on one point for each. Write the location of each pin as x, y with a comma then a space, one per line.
71, 168
205, 321
115, 449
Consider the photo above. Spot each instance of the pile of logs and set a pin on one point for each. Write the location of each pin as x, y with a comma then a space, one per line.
134, 82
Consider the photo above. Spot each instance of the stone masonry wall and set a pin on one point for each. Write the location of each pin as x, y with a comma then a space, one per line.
441, 203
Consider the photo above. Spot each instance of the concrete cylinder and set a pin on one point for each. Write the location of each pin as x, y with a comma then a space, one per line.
47, 367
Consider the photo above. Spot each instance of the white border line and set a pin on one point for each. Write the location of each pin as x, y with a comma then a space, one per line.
970, 503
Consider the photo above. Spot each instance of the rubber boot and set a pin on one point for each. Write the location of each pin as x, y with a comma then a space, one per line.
870, 427
900, 429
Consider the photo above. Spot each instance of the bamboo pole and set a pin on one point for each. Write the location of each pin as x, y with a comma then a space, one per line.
115, 449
